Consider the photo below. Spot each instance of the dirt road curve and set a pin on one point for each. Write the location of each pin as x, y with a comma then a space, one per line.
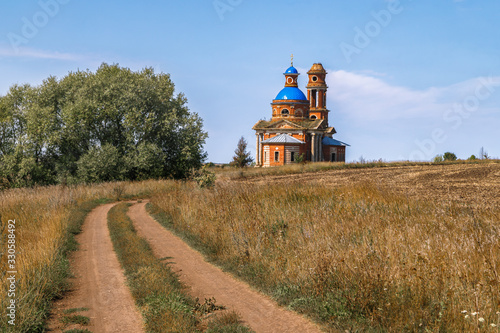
99, 283
259, 312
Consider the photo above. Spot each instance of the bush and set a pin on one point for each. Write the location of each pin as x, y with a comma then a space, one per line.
438, 159
449, 156
472, 158
204, 177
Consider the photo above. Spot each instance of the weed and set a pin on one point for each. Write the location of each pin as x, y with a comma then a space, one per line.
208, 307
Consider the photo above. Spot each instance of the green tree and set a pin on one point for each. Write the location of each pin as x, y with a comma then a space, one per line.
241, 156
51, 129
101, 164
449, 156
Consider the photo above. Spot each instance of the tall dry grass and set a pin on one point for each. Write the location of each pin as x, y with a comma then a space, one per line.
43, 216
231, 173
358, 257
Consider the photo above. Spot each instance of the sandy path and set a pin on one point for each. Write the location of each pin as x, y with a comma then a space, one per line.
99, 282
259, 312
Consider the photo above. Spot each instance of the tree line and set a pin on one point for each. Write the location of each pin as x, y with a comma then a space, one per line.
112, 124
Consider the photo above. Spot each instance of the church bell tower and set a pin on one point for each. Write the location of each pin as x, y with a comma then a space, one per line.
316, 92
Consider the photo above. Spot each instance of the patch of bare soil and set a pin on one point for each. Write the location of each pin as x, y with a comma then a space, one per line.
207, 281
477, 185
98, 284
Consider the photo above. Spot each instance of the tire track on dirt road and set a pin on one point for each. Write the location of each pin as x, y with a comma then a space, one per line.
205, 280
99, 282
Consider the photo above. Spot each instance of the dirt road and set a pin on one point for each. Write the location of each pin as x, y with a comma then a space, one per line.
259, 312
99, 282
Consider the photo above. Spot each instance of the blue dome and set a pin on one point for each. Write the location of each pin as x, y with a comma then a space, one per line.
291, 70
291, 93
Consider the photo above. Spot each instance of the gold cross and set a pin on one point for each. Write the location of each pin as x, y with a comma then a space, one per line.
292, 59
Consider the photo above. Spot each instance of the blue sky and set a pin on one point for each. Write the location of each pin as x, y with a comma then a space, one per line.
408, 79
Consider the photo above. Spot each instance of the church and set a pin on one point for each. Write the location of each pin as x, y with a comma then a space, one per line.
299, 127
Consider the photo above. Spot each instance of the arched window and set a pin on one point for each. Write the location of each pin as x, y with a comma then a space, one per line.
298, 113
285, 112
314, 117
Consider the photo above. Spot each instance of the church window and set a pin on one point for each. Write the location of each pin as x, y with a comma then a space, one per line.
276, 156
285, 112
292, 156
315, 78
314, 117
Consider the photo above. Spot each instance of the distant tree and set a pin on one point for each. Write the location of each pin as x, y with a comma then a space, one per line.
241, 156
438, 159
449, 156
472, 158
483, 154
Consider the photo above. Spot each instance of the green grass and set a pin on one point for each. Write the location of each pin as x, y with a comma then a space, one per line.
159, 295
73, 310
75, 319
78, 330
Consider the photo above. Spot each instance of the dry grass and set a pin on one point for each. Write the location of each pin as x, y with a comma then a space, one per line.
231, 173
43, 216
161, 298
401, 252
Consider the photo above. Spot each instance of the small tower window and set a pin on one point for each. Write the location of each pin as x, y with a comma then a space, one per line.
314, 117
285, 112
315, 78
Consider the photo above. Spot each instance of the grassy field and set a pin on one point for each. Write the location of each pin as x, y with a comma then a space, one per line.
160, 297
46, 220
387, 247
399, 248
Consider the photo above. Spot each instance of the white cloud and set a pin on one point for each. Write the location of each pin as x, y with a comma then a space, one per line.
370, 98
37, 54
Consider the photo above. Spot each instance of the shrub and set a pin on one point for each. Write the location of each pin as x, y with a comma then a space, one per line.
438, 159
204, 177
449, 156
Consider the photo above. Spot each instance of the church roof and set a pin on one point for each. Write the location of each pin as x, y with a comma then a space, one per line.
283, 138
299, 124
332, 142
292, 70
291, 93
317, 68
